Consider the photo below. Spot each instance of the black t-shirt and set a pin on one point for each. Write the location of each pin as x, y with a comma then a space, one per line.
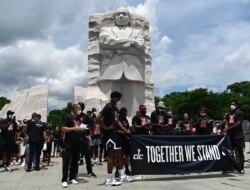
110, 116
35, 131
49, 130
73, 136
124, 122
21, 132
57, 136
9, 130
203, 127
141, 120
186, 126
232, 118
159, 118
49, 133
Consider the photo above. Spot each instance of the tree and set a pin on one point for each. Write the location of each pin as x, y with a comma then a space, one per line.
56, 116
216, 104
3, 101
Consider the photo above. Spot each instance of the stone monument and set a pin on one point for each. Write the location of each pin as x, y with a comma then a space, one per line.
119, 60
25, 102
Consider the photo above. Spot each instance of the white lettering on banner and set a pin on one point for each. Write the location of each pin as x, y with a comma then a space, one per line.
179, 153
190, 153
138, 156
208, 152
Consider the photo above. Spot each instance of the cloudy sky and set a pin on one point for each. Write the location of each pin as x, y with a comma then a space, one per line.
195, 43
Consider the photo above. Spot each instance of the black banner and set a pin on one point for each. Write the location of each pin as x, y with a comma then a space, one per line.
179, 154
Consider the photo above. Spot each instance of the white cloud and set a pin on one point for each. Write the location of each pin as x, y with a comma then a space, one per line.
193, 43
236, 66
30, 63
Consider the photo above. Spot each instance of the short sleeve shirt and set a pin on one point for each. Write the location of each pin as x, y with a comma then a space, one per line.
110, 115
72, 136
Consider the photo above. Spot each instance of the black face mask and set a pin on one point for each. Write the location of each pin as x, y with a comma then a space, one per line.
143, 112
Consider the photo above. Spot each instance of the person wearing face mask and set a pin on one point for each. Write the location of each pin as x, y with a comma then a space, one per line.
159, 120
95, 134
171, 122
72, 138
8, 128
141, 121
234, 120
37, 136
202, 125
84, 144
186, 125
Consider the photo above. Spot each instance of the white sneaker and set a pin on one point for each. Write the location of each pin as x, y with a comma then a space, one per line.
7, 168
73, 181
112, 182
125, 179
65, 184
23, 164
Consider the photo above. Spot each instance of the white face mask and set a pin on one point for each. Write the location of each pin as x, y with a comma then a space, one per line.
161, 110
11, 116
94, 113
233, 107
79, 112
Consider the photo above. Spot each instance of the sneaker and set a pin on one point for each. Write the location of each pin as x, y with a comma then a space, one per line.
92, 174
117, 175
73, 181
7, 168
242, 171
65, 184
81, 162
112, 182
127, 172
28, 170
125, 179
23, 164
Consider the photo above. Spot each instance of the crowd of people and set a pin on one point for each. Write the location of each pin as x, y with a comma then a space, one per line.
104, 136
23, 141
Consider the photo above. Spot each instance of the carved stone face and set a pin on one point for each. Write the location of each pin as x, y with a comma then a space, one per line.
122, 17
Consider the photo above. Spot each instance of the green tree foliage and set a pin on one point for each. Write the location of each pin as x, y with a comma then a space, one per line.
56, 116
3, 101
216, 104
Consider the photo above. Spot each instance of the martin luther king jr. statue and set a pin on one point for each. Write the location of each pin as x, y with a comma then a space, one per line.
123, 57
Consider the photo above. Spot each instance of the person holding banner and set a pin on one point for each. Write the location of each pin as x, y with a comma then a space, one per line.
203, 126
141, 121
109, 120
171, 122
125, 139
186, 125
234, 130
159, 120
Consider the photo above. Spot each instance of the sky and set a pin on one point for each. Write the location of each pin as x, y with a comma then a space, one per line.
195, 43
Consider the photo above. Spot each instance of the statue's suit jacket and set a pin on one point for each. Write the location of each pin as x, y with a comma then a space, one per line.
119, 57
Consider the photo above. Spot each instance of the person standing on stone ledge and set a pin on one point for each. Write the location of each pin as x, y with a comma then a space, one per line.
123, 67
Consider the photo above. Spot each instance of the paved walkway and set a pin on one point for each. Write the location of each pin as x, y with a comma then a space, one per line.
49, 178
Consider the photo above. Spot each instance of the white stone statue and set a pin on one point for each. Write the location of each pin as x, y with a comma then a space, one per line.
119, 60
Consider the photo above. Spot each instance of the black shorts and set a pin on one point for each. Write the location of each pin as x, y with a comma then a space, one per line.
125, 144
113, 141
